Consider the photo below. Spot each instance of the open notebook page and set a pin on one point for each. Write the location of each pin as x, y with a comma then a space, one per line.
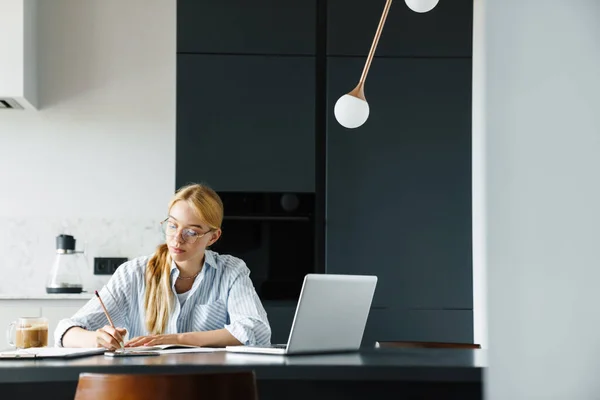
157, 347
170, 348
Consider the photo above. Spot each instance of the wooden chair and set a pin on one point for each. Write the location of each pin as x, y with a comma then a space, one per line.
427, 345
203, 386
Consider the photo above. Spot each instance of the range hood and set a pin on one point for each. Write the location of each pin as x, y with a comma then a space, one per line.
18, 64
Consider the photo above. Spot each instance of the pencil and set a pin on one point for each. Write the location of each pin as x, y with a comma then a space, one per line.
104, 308
107, 314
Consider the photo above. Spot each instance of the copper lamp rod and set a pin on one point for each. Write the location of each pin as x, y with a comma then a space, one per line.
386, 9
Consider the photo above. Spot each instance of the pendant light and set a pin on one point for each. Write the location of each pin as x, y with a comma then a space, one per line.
352, 110
421, 6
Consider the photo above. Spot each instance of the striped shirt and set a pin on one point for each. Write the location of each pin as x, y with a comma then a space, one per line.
222, 296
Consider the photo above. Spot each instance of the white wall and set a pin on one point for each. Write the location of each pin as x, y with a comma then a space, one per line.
543, 198
98, 160
478, 167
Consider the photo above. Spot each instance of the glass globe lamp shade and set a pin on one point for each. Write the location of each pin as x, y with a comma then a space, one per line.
350, 111
421, 6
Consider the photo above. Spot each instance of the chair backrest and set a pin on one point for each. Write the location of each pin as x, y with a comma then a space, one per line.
427, 345
213, 386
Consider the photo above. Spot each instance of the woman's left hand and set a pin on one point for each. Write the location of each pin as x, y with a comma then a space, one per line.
152, 340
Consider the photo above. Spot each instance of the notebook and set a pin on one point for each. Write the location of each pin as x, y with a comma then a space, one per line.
49, 352
164, 349
158, 347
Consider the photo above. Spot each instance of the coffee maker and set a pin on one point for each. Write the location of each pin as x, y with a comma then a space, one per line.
65, 275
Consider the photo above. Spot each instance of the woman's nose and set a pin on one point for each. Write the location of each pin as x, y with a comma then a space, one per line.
179, 237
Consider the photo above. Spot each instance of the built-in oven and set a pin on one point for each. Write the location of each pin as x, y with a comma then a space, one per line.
274, 233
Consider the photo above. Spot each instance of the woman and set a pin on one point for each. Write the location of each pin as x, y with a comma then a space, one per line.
182, 294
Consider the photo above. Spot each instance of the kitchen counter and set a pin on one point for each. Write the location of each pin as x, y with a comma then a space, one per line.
54, 307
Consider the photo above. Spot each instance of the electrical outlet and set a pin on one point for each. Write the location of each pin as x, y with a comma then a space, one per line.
107, 265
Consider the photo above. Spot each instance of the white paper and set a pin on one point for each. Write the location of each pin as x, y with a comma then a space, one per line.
170, 349
49, 352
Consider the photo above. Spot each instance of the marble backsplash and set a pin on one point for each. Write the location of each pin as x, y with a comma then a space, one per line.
28, 248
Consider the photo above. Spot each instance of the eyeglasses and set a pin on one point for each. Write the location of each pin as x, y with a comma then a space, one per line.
169, 228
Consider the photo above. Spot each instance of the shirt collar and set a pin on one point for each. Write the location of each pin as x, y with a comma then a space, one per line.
209, 260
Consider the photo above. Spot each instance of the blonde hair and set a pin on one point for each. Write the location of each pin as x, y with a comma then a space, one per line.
158, 299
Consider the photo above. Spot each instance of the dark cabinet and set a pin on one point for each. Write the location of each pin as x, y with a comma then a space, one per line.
399, 187
281, 317
395, 324
254, 80
445, 31
246, 123
389, 324
246, 27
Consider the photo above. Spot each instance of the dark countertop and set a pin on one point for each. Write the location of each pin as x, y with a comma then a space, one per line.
414, 365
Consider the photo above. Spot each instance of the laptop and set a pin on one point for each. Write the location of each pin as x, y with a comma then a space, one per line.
331, 316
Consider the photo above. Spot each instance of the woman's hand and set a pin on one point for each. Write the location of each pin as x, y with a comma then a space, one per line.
110, 338
152, 340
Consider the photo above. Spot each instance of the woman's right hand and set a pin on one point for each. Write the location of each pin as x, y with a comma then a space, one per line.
110, 338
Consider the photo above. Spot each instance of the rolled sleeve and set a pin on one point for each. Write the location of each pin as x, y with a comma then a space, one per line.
248, 319
62, 328
116, 296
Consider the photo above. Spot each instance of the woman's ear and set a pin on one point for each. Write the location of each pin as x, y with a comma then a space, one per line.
215, 236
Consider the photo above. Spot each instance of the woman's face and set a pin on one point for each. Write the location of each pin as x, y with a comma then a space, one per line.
188, 235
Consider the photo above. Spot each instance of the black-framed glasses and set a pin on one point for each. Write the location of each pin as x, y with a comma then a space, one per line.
170, 228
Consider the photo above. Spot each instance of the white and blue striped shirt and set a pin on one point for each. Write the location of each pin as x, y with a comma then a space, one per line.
222, 296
